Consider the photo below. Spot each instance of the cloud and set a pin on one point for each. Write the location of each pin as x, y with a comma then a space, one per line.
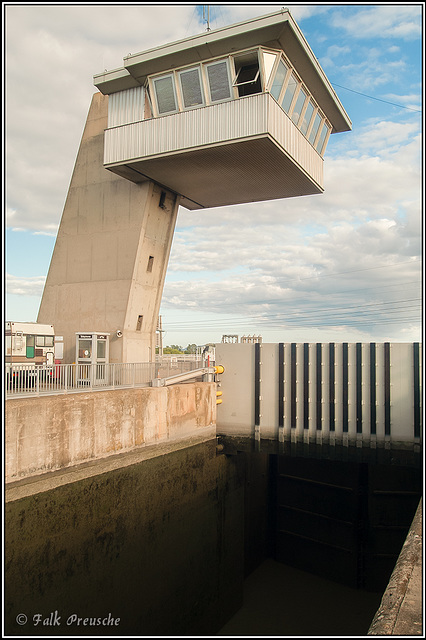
357, 246
52, 54
28, 286
383, 21
353, 251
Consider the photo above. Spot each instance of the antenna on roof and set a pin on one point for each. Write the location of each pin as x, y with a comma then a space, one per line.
206, 15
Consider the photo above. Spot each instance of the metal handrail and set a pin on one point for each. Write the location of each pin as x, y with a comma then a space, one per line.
29, 380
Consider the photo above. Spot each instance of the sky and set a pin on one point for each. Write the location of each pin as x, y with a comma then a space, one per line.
345, 265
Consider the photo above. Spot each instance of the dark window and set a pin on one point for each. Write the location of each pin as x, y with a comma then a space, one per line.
150, 263
247, 74
139, 323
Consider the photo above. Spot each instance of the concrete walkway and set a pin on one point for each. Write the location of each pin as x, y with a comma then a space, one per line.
400, 612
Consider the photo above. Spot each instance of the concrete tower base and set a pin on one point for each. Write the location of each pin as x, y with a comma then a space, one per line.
110, 259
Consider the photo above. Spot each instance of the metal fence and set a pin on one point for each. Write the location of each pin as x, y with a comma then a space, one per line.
30, 379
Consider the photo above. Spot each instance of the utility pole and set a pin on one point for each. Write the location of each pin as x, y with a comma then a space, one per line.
160, 335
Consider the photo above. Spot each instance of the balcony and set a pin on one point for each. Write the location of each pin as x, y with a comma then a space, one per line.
244, 150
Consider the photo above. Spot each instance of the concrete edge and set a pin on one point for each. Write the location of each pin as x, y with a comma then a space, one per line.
53, 479
400, 611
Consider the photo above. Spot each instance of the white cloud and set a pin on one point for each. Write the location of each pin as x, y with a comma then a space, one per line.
285, 257
383, 21
28, 286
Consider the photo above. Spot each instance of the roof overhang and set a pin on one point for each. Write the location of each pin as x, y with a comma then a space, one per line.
276, 30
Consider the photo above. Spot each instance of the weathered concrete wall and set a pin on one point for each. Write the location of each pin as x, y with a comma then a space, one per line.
156, 545
111, 253
55, 432
400, 612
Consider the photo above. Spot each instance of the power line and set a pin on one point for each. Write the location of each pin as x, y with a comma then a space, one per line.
401, 106
358, 313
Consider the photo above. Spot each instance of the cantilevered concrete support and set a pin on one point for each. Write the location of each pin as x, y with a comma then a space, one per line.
110, 259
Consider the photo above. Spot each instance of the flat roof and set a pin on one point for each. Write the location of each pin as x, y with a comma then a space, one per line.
276, 30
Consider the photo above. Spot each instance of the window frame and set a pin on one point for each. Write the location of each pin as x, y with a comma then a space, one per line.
287, 75
303, 116
202, 69
327, 126
205, 67
179, 73
314, 115
295, 94
152, 81
301, 89
260, 71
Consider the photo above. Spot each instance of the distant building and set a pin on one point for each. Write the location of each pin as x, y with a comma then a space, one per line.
251, 339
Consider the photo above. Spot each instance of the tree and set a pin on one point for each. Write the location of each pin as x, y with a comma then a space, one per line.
174, 348
191, 348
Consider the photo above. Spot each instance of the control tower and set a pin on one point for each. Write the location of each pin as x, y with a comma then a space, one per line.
233, 115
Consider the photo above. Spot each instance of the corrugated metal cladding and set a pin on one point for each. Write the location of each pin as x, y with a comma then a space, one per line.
218, 134
126, 107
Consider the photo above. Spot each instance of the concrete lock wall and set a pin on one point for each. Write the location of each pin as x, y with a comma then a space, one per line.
157, 547
55, 432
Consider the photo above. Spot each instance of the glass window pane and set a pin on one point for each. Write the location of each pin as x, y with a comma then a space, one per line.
268, 63
289, 93
48, 341
321, 139
279, 80
30, 351
191, 88
315, 128
39, 341
307, 118
164, 91
218, 81
84, 349
101, 349
295, 116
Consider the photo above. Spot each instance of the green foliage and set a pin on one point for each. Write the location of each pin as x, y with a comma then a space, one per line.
191, 348
174, 348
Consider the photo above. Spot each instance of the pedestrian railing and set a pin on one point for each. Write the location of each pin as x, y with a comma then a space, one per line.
33, 380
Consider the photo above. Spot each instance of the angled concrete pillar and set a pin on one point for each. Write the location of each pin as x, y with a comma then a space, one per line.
110, 258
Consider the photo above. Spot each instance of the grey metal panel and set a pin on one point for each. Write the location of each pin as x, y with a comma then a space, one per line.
126, 107
372, 392
235, 416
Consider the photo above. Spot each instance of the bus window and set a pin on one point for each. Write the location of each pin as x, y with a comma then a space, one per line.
30, 347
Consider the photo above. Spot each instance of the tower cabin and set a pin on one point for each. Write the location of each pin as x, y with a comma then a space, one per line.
238, 114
